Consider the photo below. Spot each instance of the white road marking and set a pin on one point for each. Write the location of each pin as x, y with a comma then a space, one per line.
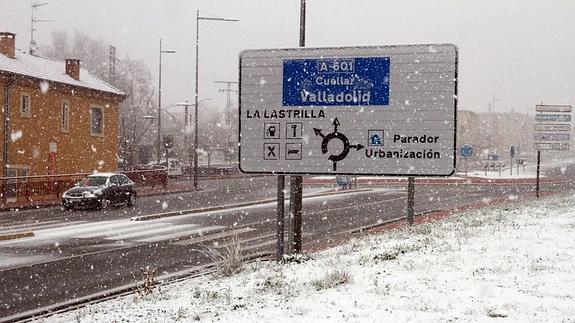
151, 232
114, 231
200, 239
181, 234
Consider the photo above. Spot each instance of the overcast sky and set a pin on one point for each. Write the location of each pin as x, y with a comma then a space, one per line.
521, 52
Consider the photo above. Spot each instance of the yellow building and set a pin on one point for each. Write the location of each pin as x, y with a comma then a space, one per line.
57, 118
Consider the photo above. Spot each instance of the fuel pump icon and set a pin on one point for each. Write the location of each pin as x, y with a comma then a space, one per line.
272, 130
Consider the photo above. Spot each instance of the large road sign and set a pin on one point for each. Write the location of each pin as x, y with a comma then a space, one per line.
388, 110
552, 127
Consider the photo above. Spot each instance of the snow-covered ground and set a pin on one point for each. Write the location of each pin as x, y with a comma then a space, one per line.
514, 263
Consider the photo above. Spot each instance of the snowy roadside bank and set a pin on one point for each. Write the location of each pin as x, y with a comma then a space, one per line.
511, 263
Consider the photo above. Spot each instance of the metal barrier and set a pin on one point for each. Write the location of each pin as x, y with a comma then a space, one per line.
493, 166
49, 188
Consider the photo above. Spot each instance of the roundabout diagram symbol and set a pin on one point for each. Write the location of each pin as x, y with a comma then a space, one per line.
339, 136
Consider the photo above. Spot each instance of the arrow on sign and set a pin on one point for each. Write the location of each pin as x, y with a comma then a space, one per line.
335, 124
318, 132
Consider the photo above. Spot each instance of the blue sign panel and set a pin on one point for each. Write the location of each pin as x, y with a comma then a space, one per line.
466, 151
553, 117
356, 81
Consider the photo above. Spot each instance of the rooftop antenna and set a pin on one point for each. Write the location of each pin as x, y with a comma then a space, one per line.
33, 21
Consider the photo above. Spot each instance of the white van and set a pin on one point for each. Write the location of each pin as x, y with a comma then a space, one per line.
173, 165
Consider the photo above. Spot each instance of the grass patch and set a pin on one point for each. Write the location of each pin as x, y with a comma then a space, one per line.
229, 259
332, 279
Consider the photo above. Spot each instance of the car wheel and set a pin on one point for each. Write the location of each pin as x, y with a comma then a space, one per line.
104, 204
68, 207
132, 200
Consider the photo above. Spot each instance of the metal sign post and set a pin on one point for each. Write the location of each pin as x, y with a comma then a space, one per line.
538, 172
280, 217
410, 200
296, 182
466, 151
512, 154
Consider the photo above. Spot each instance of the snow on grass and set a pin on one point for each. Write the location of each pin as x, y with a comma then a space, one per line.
515, 263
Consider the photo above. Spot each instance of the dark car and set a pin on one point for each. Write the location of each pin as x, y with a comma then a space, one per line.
100, 191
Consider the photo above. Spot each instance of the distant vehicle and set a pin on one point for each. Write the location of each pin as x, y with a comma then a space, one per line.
100, 191
493, 156
173, 165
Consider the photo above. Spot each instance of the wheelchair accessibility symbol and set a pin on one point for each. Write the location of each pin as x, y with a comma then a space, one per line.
339, 136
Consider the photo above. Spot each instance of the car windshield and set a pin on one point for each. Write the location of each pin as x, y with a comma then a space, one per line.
94, 181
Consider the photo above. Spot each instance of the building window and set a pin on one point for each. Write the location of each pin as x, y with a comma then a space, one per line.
65, 115
97, 124
25, 108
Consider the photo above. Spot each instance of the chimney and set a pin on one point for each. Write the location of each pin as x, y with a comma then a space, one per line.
8, 44
73, 68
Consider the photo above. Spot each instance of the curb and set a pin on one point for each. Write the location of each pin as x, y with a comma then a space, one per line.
16, 235
159, 193
230, 206
442, 181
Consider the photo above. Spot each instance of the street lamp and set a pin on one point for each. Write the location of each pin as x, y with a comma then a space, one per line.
198, 18
493, 116
186, 104
159, 140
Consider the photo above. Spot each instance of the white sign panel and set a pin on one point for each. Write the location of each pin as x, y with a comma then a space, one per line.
554, 127
551, 146
388, 110
553, 108
542, 136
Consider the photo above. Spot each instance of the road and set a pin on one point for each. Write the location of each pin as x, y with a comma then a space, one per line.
81, 253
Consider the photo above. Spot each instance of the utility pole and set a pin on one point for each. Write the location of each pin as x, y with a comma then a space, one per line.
228, 90
33, 21
228, 115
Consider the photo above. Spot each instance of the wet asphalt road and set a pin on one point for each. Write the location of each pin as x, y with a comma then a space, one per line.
80, 253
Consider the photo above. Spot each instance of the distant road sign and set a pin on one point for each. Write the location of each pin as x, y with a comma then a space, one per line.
466, 151
553, 108
381, 110
543, 137
552, 146
554, 127
553, 117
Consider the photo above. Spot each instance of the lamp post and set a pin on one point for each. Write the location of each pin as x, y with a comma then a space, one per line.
159, 139
198, 18
493, 116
